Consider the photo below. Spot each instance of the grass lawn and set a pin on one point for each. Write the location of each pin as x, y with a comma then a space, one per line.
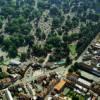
72, 48
4, 62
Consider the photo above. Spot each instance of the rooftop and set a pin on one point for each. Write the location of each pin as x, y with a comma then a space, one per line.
60, 85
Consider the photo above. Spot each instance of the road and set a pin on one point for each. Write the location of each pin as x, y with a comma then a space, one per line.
46, 60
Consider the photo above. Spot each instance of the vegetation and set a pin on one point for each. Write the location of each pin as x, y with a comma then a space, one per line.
23, 57
44, 26
75, 96
74, 68
72, 48
3, 75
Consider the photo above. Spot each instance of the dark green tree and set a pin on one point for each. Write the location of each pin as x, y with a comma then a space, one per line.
12, 51
23, 57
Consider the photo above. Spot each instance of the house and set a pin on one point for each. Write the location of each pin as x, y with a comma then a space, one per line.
58, 87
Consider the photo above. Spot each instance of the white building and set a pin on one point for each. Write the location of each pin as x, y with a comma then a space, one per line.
8, 95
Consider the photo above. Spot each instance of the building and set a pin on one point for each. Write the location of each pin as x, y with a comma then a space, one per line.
58, 87
90, 69
31, 91
8, 95
79, 83
5, 82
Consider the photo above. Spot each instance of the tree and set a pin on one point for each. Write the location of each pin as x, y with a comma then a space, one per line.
3, 75
54, 11
68, 25
75, 22
38, 33
25, 28
12, 26
7, 11
57, 21
1, 23
75, 67
23, 57
38, 51
75, 98
48, 47
6, 43
1, 39
16, 40
29, 40
65, 49
12, 51
68, 61
70, 70
43, 5
54, 41
65, 37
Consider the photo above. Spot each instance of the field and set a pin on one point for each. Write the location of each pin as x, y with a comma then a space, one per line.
72, 48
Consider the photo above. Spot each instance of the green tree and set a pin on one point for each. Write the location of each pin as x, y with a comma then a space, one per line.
75, 98
7, 43
75, 22
54, 41
1, 23
25, 28
68, 60
1, 39
3, 75
23, 57
29, 40
12, 51
70, 70
38, 33
54, 11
